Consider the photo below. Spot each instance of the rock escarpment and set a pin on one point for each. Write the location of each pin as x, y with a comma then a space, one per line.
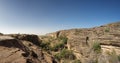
81, 41
86, 45
22, 50
31, 38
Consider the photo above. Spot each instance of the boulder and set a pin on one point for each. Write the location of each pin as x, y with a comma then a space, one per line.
32, 38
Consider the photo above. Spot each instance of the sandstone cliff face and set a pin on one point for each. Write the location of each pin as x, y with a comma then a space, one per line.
80, 41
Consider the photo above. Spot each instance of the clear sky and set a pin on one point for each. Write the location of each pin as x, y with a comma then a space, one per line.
44, 16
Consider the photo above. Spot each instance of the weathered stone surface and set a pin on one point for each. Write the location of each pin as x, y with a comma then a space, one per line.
32, 38
23, 48
14, 50
80, 40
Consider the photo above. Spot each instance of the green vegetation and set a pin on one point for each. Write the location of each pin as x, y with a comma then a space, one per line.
65, 54
96, 47
57, 47
63, 39
61, 45
107, 29
119, 57
45, 45
96, 61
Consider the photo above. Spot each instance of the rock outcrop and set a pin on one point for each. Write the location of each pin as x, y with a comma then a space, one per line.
80, 41
22, 50
86, 45
31, 38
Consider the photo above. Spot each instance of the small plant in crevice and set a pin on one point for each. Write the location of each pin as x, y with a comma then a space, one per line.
65, 54
119, 57
107, 30
63, 39
57, 47
96, 47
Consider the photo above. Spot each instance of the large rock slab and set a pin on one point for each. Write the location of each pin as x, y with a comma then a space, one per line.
14, 50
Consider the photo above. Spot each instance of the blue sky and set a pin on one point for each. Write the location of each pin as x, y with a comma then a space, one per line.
44, 16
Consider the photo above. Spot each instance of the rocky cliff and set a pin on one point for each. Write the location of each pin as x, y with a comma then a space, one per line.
23, 49
86, 45
83, 41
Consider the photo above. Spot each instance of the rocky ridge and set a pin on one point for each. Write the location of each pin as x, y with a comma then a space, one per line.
86, 45
80, 41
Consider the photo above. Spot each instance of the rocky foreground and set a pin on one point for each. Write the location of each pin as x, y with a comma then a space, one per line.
87, 45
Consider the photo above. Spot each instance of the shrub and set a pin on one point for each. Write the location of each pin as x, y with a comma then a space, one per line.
96, 47
63, 39
119, 57
45, 46
57, 56
107, 30
57, 47
65, 54
61, 45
